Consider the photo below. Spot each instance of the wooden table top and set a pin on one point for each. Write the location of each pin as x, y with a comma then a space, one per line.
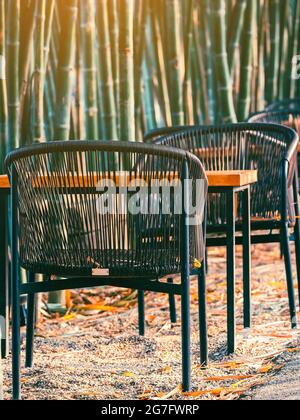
215, 179
4, 182
231, 178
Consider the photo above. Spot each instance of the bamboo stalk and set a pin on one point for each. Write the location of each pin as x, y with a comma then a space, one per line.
218, 18
126, 100
64, 75
188, 39
244, 101
149, 108
235, 32
79, 89
110, 115
297, 92
114, 42
260, 79
210, 74
156, 43
285, 11
295, 45
50, 6
3, 92
27, 25
88, 33
39, 73
274, 65
140, 20
175, 62
13, 89
201, 74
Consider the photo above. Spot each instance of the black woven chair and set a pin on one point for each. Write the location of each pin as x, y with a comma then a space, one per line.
285, 105
74, 216
272, 150
289, 118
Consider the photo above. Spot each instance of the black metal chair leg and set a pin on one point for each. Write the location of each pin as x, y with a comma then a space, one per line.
247, 258
231, 321
172, 304
4, 277
297, 232
30, 325
16, 345
15, 293
289, 274
203, 315
185, 287
141, 309
297, 246
186, 339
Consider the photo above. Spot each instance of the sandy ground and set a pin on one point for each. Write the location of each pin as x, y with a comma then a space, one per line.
94, 352
285, 386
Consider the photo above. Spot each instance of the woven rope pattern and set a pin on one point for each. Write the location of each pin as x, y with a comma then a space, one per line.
62, 231
289, 118
259, 147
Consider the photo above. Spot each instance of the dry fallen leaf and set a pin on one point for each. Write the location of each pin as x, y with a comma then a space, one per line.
100, 308
266, 369
227, 378
296, 350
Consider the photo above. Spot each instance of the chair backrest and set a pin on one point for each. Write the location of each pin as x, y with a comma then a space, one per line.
262, 147
289, 118
285, 105
90, 206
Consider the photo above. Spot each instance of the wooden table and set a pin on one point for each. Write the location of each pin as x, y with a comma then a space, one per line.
230, 183
226, 182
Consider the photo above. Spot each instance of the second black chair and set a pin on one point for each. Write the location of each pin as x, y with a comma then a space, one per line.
272, 151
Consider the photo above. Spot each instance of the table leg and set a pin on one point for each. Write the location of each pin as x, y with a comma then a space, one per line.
247, 258
231, 321
4, 281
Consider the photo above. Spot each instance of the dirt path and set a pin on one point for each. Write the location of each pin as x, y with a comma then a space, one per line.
93, 352
284, 386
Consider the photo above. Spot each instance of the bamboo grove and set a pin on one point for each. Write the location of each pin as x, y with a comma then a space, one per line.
113, 69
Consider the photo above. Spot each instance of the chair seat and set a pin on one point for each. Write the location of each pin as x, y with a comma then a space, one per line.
73, 262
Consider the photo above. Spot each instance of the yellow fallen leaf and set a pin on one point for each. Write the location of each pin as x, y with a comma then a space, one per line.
69, 317
128, 374
197, 264
167, 369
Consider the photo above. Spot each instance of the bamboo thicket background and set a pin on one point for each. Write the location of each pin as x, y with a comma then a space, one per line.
113, 69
